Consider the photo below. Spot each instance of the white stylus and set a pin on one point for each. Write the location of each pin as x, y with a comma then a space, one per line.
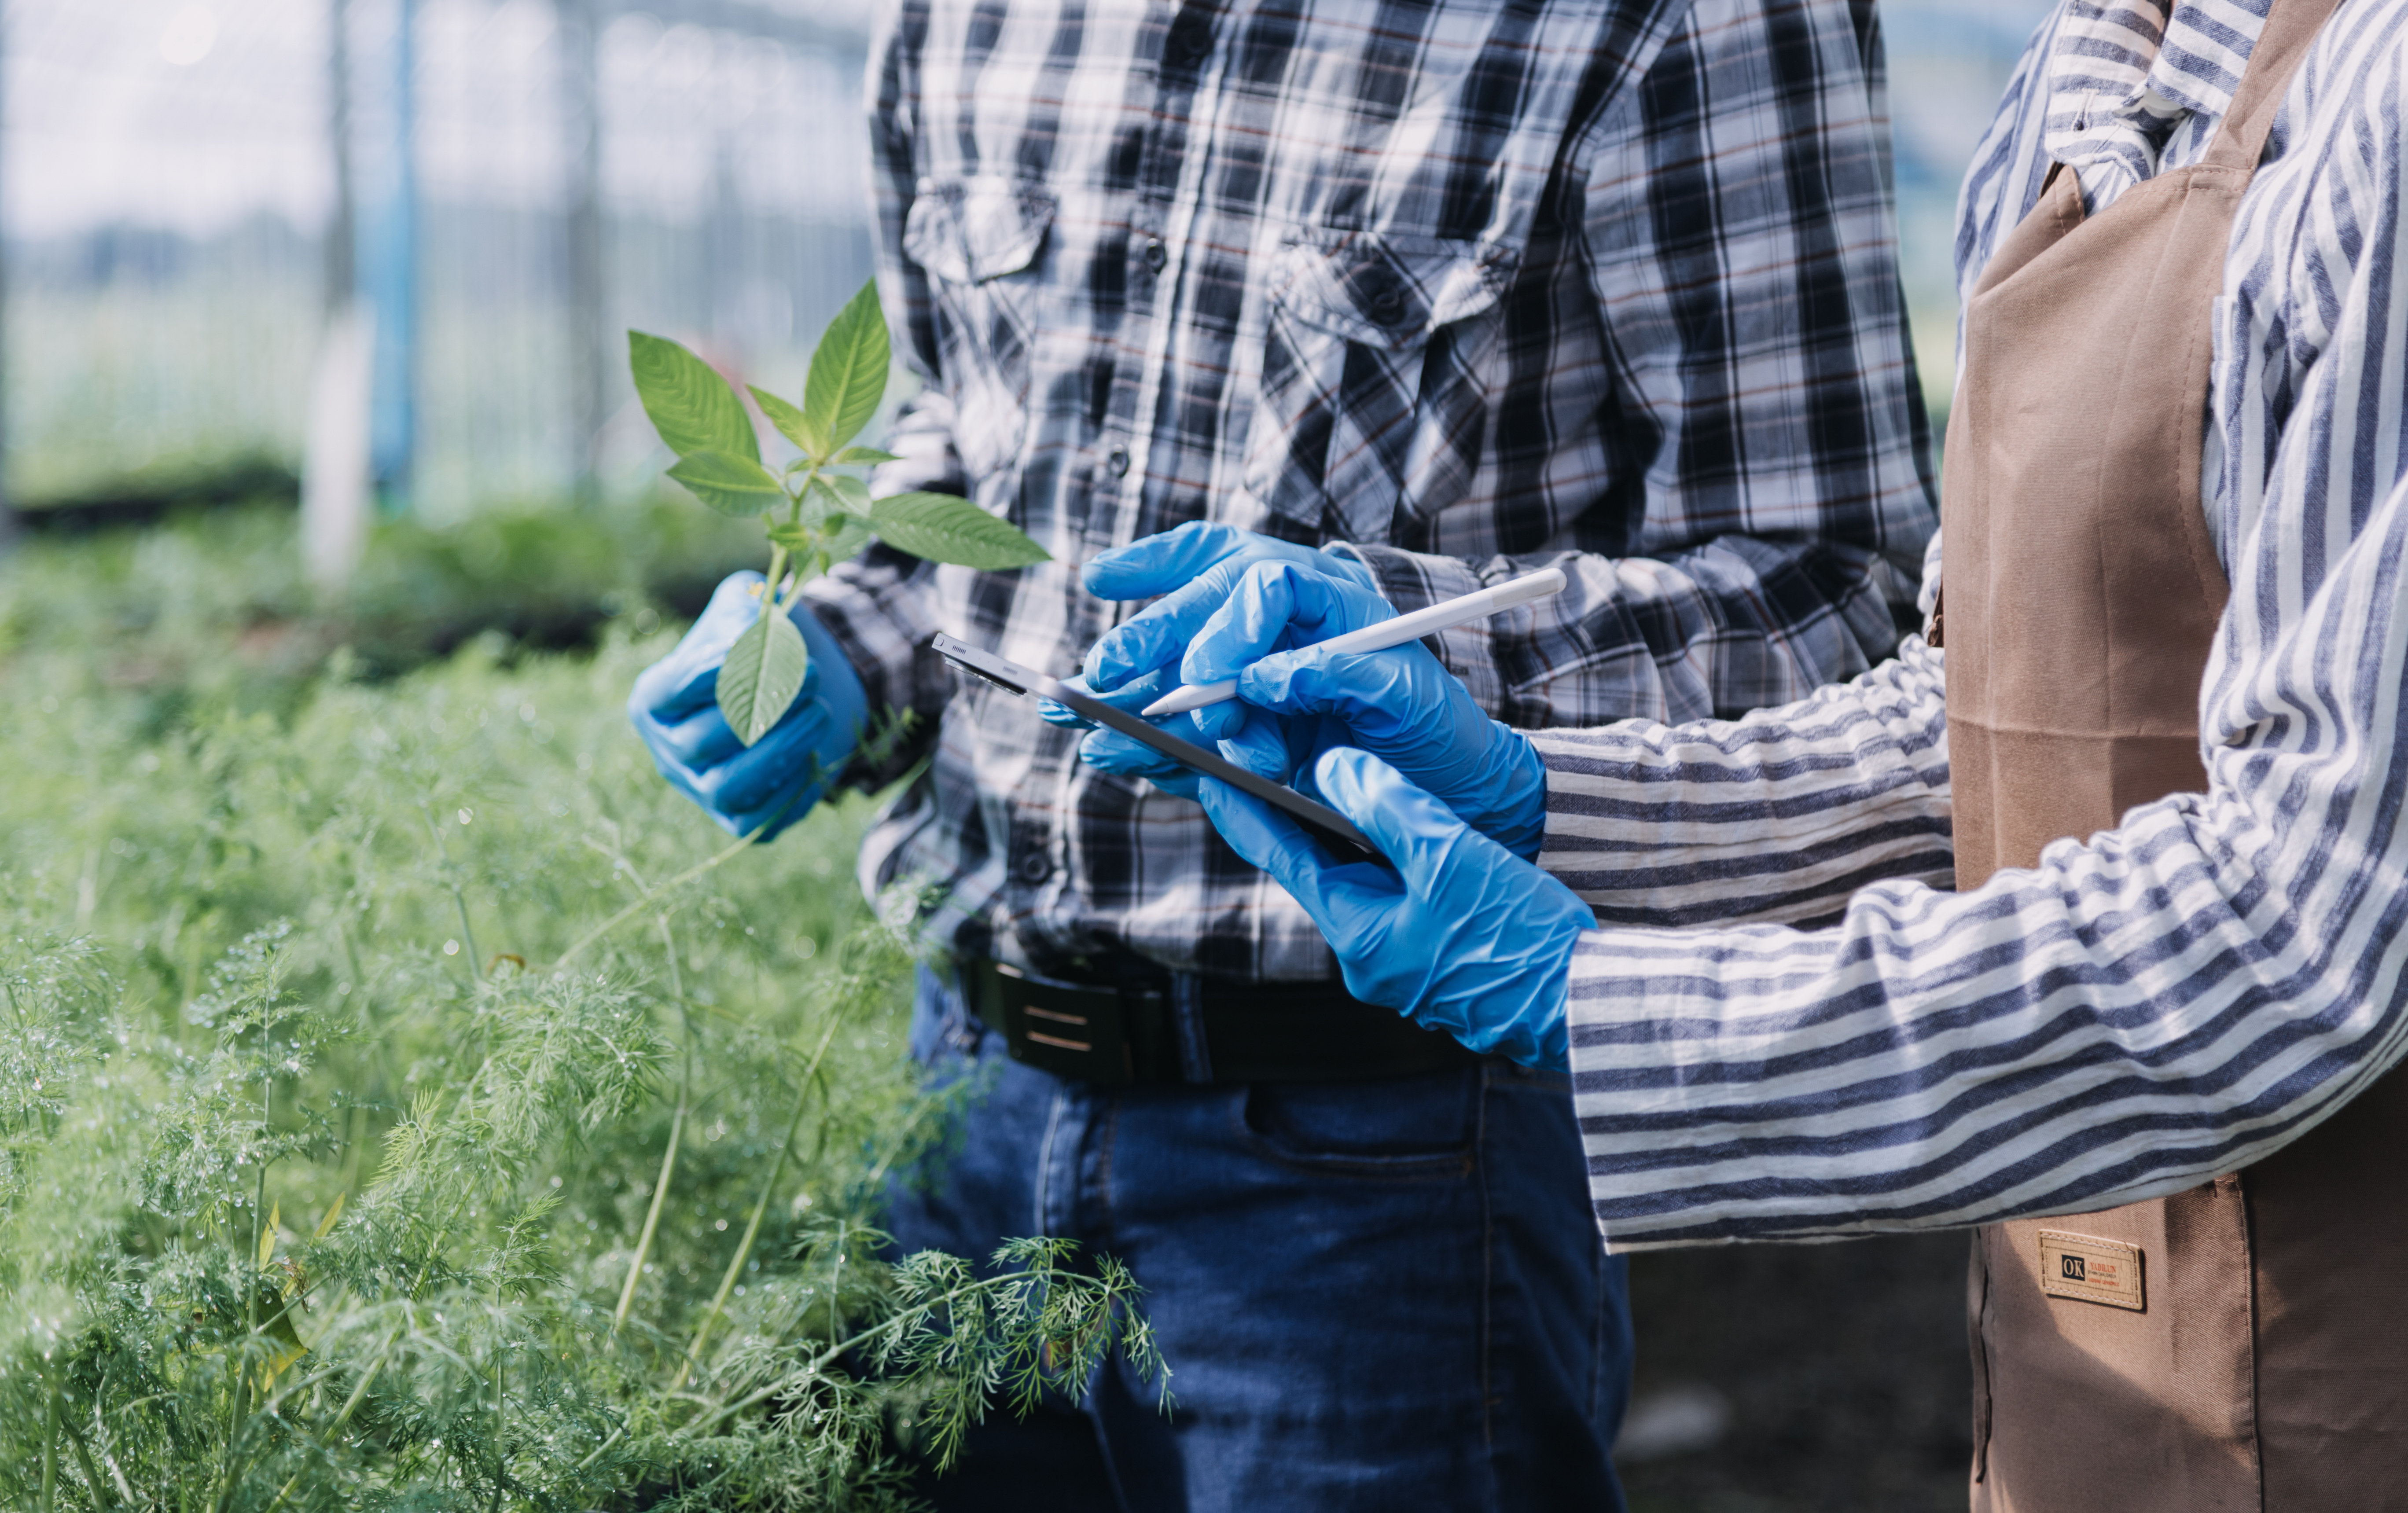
1388, 633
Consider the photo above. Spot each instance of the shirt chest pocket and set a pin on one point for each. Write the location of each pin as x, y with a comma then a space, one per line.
1377, 379
979, 239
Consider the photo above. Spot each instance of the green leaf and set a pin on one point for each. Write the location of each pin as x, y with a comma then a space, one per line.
762, 674
947, 528
792, 424
834, 493
854, 492
731, 485
821, 500
691, 406
857, 532
847, 375
853, 455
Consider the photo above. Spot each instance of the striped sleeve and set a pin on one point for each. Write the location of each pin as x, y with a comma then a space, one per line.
2177, 998
1777, 817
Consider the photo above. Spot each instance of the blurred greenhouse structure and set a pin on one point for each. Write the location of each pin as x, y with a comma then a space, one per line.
176, 213
191, 192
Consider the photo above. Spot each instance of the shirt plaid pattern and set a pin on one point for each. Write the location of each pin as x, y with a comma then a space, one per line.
1475, 285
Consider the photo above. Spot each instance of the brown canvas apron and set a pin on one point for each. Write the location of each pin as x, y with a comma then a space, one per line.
2267, 1367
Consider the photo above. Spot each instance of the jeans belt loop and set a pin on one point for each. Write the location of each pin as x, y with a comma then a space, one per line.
1187, 1012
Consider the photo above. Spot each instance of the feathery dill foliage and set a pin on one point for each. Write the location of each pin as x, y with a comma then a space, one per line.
407, 1101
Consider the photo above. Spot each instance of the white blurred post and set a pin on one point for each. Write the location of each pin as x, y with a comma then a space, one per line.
337, 490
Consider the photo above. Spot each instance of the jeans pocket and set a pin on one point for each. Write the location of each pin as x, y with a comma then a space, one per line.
1417, 1129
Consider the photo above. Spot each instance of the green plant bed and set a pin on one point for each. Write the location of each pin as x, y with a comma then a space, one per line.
211, 606
410, 1102
153, 493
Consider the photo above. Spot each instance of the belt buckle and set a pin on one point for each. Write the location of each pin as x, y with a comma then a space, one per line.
1069, 1029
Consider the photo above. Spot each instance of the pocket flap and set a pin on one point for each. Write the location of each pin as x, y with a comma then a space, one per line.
969, 230
1389, 291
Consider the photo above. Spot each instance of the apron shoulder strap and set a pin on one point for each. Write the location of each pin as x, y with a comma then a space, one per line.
2291, 28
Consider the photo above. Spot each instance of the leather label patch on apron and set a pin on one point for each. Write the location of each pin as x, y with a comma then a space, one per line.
2089, 1269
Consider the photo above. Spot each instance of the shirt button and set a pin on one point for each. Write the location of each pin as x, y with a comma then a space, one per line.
1156, 253
1388, 306
1116, 461
1191, 39
1035, 868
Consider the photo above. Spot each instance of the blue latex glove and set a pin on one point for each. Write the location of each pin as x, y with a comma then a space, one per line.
1156, 639
1295, 701
675, 708
1197, 565
1173, 559
1464, 936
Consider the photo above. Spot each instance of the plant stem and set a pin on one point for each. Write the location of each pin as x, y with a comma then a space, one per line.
459, 899
677, 982
51, 1452
651, 1219
772, 579
353, 1402
435, 1234
836, 1275
343, 1418
688, 875
92, 1476
99, 1491
834, 1352
352, 1142
251, 1301
677, 1128
894, 1146
753, 1229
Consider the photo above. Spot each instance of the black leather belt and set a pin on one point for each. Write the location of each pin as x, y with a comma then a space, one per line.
1201, 1029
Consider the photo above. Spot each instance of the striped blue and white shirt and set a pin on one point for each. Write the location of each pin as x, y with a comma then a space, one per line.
2174, 998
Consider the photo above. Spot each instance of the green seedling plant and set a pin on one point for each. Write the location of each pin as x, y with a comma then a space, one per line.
818, 507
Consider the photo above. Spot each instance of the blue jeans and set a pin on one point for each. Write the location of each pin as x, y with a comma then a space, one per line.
1372, 1295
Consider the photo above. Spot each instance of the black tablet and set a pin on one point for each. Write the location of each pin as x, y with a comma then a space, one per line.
1331, 828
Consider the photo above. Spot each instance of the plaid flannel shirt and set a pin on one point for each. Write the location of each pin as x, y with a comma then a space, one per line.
1477, 286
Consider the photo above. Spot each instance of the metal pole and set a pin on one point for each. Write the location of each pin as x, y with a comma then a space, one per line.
8, 523
389, 255
590, 349
342, 273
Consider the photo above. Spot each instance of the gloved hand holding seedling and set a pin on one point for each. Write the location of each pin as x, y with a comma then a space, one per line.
818, 511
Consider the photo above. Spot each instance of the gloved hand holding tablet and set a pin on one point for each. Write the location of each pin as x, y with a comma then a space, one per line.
1462, 936
1458, 929
1263, 620
1331, 828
